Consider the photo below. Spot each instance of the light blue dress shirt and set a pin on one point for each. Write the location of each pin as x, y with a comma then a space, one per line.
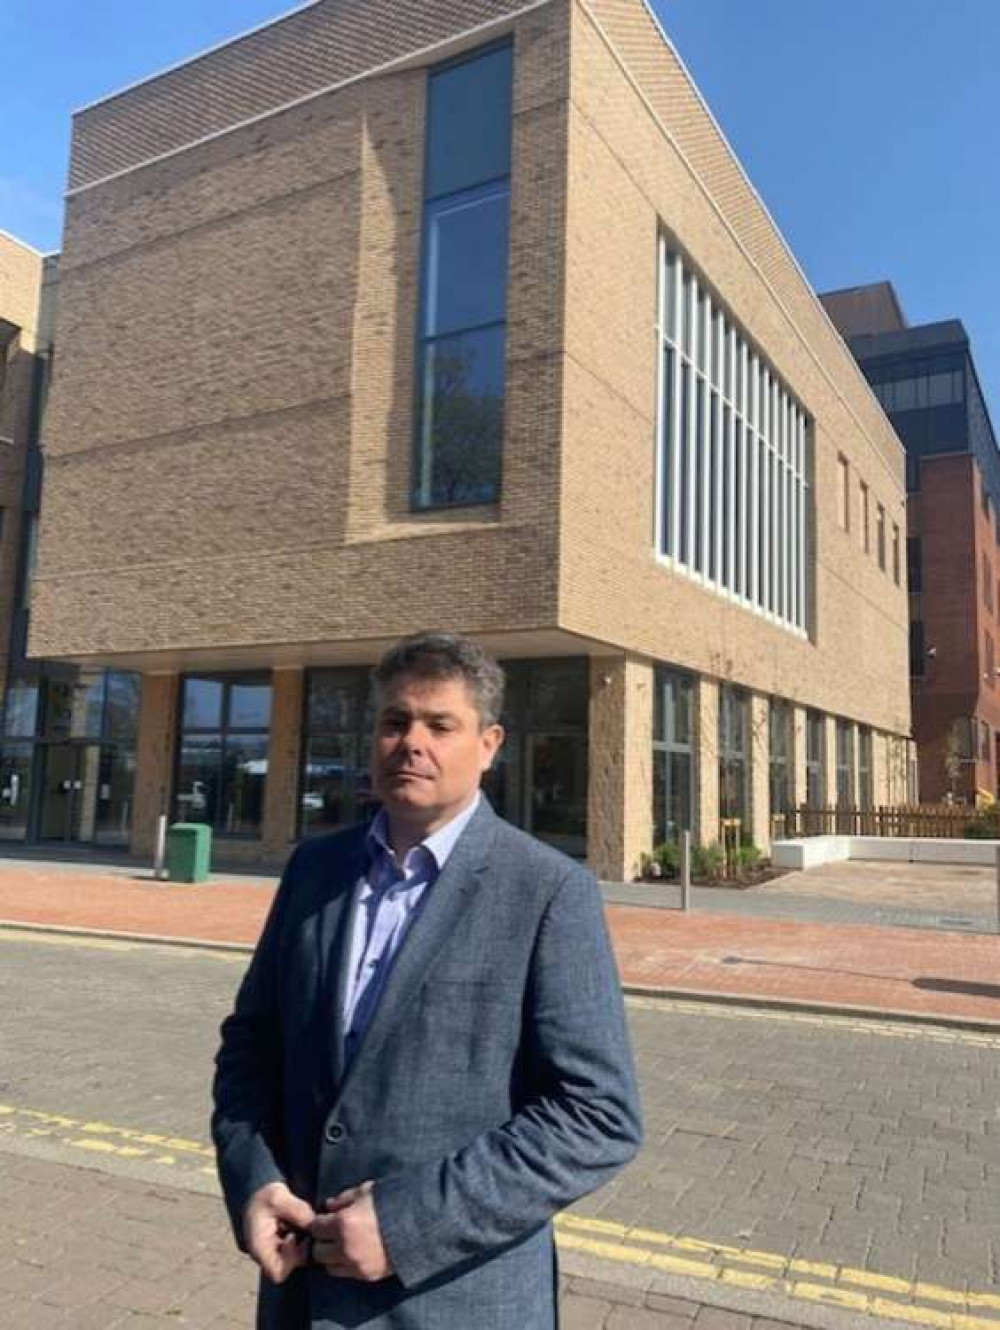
389, 897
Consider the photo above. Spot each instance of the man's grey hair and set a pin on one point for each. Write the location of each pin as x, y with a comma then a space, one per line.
438, 656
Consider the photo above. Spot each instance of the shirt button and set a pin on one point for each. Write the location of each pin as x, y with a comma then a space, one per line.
334, 1133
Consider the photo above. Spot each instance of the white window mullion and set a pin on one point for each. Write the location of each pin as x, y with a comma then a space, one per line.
743, 402
729, 370
803, 499
691, 496
719, 516
753, 541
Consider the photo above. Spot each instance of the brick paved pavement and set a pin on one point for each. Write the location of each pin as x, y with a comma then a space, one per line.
745, 955
786, 1154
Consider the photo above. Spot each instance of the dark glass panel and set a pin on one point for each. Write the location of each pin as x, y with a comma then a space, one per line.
21, 714
462, 419
198, 778
666, 444
121, 717
559, 696
328, 784
249, 706
15, 790
466, 278
244, 779
558, 790
57, 715
469, 123
202, 704
114, 796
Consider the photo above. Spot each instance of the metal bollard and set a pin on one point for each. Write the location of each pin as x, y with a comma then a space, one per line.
160, 852
686, 870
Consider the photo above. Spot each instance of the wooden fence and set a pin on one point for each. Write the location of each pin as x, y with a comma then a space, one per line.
946, 820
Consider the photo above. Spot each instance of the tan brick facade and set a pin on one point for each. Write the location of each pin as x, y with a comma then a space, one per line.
230, 434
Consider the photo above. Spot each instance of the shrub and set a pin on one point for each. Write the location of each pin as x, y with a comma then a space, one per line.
708, 861
664, 862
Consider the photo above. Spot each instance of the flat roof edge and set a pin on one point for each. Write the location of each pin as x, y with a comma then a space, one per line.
193, 59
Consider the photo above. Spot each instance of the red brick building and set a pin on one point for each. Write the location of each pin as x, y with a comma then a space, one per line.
926, 379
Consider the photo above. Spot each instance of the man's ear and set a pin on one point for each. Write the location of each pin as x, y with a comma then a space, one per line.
493, 737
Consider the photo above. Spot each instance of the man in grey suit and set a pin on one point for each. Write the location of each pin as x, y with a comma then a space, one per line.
428, 1056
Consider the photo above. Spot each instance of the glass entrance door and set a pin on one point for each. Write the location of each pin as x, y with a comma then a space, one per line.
68, 805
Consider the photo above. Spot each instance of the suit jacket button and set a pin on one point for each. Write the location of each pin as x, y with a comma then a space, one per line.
334, 1133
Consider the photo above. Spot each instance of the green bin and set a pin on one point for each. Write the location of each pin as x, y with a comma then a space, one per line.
189, 852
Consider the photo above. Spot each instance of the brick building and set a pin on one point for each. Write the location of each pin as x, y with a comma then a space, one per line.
393, 316
926, 379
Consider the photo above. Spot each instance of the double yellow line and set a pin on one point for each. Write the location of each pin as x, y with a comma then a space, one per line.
860, 1291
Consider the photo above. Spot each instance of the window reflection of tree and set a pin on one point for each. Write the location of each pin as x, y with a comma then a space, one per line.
467, 424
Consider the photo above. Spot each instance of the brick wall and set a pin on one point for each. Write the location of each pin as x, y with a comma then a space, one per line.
229, 435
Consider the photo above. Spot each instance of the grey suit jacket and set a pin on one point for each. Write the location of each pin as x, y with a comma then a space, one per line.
493, 1086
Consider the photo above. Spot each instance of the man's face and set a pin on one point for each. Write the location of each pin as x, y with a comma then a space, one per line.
430, 749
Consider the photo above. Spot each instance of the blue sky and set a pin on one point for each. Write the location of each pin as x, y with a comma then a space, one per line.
869, 127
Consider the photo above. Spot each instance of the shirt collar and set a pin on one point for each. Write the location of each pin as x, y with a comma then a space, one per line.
439, 844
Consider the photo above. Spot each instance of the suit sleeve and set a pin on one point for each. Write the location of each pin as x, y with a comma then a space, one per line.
247, 1084
581, 1126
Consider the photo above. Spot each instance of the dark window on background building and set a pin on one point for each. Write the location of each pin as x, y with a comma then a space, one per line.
222, 759
815, 759
895, 554
463, 307
987, 582
734, 762
984, 741
781, 755
917, 653
865, 781
914, 564
991, 671
845, 764
335, 788
673, 755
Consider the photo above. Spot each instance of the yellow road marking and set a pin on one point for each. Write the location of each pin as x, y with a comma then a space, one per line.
102, 1136
636, 1246
11, 930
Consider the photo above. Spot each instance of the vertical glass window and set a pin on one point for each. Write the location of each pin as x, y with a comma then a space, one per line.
895, 554
335, 789
222, 757
843, 492
673, 755
734, 763
539, 780
781, 752
880, 535
866, 534
732, 455
815, 759
845, 764
914, 564
866, 797
463, 308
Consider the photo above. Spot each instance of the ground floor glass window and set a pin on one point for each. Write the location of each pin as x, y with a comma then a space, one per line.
673, 755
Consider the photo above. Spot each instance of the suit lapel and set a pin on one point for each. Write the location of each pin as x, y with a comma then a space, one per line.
444, 905
334, 942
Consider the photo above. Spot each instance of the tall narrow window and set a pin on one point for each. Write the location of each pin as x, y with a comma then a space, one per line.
865, 782
781, 749
732, 443
843, 492
880, 535
865, 520
734, 764
815, 759
895, 554
463, 309
845, 764
673, 755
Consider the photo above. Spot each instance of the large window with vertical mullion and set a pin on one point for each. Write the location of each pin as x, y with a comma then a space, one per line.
223, 752
732, 455
461, 378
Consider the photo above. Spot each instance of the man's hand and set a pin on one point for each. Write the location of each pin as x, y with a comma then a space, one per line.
346, 1238
275, 1230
